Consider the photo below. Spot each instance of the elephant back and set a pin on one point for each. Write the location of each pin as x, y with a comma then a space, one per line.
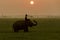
19, 23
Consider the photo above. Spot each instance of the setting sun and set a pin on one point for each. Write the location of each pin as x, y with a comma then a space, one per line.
31, 2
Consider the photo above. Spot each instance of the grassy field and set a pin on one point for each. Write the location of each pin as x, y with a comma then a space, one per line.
47, 29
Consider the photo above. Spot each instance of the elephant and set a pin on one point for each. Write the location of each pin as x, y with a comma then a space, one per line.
21, 25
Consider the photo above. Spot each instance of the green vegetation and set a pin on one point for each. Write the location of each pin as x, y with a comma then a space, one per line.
47, 29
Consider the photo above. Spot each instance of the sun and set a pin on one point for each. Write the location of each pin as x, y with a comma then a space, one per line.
31, 2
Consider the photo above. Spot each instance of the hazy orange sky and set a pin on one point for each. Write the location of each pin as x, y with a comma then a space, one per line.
21, 7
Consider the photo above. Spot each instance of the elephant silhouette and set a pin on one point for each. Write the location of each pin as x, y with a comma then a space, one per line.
23, 25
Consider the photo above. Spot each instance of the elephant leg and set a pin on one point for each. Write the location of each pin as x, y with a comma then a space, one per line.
15, 30
26, 29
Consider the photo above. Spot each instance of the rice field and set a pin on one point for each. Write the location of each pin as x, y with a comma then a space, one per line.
47, 29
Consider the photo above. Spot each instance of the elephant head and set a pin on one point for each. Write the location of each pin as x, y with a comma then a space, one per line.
31, 23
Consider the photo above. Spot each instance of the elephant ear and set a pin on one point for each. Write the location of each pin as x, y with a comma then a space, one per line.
29, 23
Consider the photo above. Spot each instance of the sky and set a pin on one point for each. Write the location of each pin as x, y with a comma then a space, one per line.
21, 7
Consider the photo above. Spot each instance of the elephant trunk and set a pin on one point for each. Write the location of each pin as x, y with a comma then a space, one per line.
35, 23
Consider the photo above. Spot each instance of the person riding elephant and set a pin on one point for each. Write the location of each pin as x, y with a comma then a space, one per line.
26, 27
24, 24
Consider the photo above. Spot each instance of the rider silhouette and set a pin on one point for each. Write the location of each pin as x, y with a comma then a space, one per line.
26, 25
26, 17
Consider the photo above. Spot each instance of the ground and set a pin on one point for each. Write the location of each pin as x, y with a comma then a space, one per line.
47, 29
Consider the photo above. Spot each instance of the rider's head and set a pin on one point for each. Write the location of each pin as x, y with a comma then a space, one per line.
26, 15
